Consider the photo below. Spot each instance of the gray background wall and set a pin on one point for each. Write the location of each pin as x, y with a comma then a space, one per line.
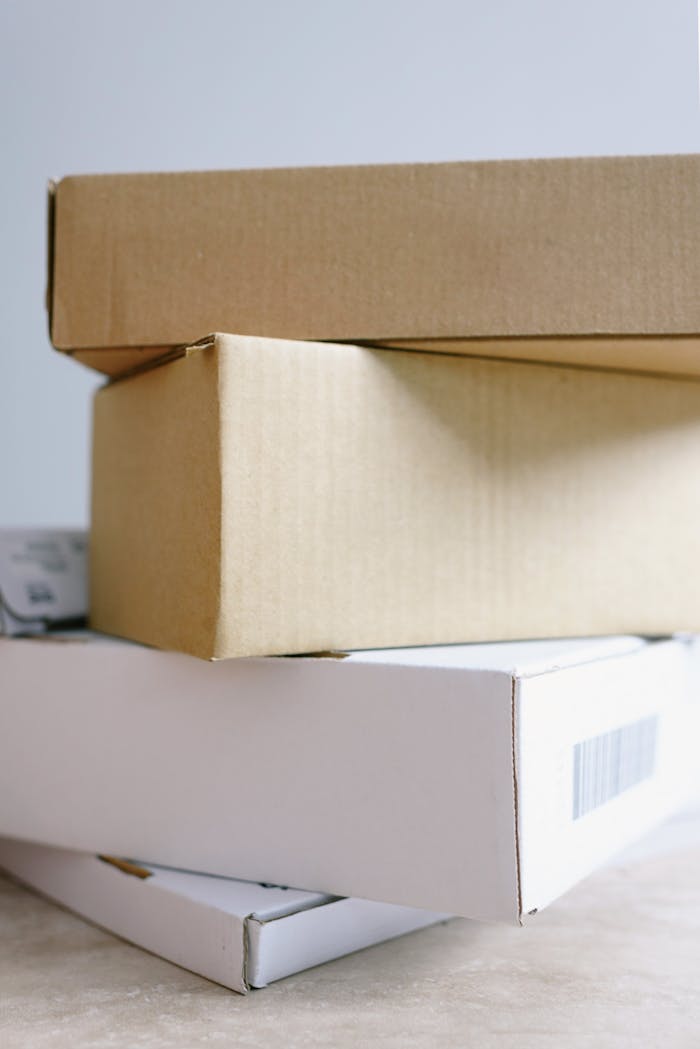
118, 85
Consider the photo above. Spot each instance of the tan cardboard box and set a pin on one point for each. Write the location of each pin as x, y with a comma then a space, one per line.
261, 496
592, 261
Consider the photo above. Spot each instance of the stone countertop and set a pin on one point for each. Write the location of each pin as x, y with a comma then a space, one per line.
615, 963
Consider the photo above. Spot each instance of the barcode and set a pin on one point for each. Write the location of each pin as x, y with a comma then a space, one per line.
607, 765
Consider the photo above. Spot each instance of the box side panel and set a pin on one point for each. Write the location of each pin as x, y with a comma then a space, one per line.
605, 751
156, 506
385, 783
279, 948
509, 248
202, 939
378, 498
50, 237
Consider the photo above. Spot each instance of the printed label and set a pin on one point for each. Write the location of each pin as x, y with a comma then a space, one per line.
43, 578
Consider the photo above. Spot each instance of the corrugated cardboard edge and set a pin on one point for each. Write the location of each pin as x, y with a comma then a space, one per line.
588, 353
213, 343
247, 986
127, 867
50, 233
516, 813
440, 348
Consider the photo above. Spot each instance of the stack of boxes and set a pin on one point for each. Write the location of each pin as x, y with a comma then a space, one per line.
460, 406
261, 497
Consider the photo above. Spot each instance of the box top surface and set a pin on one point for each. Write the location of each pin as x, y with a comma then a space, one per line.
516, 658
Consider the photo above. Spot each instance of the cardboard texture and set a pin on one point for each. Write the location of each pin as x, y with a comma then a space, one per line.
261, 497
592, 261
239, 934
479, 780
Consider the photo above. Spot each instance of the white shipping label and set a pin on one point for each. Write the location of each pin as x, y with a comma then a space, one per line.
43, 578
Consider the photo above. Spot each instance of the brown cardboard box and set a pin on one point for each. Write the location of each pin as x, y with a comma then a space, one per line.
260, 496
590, 261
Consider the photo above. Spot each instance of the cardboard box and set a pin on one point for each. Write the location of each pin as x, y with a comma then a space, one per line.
261, 497
239, 934
474, 780
590, 261
43, 579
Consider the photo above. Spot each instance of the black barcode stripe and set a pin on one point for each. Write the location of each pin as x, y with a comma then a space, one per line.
607, 765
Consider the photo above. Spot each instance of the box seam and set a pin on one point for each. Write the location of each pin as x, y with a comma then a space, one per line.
516, 813
170, 353
249, 918
645, 642
213, 342
50, 253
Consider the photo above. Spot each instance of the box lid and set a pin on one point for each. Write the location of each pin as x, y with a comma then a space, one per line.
412, 254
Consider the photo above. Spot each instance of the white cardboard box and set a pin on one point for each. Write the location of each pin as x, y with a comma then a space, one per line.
237, 933
481, 780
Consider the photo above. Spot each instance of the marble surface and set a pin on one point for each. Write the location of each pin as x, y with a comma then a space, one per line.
615, 963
